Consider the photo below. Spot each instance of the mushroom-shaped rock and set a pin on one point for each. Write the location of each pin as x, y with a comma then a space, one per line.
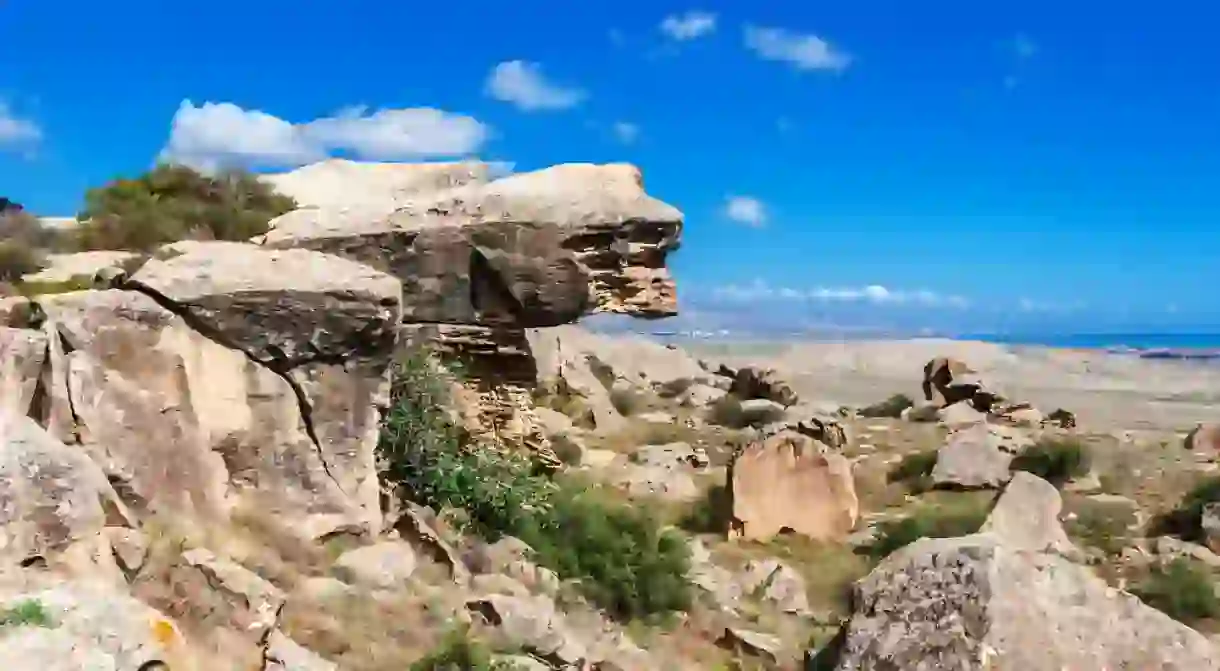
532, 249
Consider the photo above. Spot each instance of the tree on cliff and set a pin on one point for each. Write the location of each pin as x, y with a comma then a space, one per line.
174, 202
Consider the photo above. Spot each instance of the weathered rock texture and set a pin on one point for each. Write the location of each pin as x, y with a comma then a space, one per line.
789, 482
483, 260
1006, 599
221, 374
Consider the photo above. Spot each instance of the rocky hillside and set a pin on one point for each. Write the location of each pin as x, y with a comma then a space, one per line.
371, 438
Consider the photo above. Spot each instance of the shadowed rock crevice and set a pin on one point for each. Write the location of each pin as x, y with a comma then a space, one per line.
274, 364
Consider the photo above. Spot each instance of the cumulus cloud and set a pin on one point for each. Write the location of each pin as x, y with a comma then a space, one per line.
873, 293
688, 26
802, 51
524, 85
15, 130
746, 210
214, 135
625, 131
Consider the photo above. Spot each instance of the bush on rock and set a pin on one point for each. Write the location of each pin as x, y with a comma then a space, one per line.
174, 202
623, 559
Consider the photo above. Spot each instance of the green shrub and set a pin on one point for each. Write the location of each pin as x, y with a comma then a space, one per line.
458, 652
891, 407
174, 202
423, 458
1102, 525
28, 613
1056, 460
726, 411
915, 470
1186, 520
622, 559
1182, 589
625, 562
18, 259
929, 522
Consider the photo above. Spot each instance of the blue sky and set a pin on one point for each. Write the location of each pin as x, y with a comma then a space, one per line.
950, 165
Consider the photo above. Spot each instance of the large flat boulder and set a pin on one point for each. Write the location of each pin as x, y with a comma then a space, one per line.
1007, 599
229, 374
532, 249
22, 354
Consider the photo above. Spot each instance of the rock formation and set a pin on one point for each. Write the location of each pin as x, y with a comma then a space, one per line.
791, 483
1004, 599
481, 261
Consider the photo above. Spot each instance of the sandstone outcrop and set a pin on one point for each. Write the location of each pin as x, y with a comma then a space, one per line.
1006, 599
790, 483
483, 260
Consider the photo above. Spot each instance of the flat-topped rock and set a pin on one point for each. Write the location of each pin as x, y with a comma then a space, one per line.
530, 250
275, 304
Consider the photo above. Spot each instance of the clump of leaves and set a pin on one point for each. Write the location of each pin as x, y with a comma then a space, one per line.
174, 202
914, 470
625, 561
458, 652
1102, 525
929, 522
28, 613
622, 558
1186, 520
1056, 460
423, 457
891, 407
1183, 589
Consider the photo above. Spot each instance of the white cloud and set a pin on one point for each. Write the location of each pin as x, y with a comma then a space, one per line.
15, 130
804, 51
524, 85
216, 135
873, 293
1031, 305
689, 26
746, 210
626, 132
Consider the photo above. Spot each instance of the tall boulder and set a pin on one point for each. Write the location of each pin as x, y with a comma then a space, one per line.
790, 483
228, 374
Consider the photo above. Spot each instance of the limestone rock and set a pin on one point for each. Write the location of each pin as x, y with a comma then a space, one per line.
752, 644
948, 381
284, 654
788, 482
1064, 419
762, 383
79, 266
977, 457
1027, 517
774, 581
995, 600
339, 183
22, 355
387, 565
414, 528
54, 501
1204, 440
189, 425
532, 623
91, 626
671, 454
251, 605
531, 249
1210, 521
960, 414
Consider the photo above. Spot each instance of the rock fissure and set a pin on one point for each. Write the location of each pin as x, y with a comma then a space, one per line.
200, 326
